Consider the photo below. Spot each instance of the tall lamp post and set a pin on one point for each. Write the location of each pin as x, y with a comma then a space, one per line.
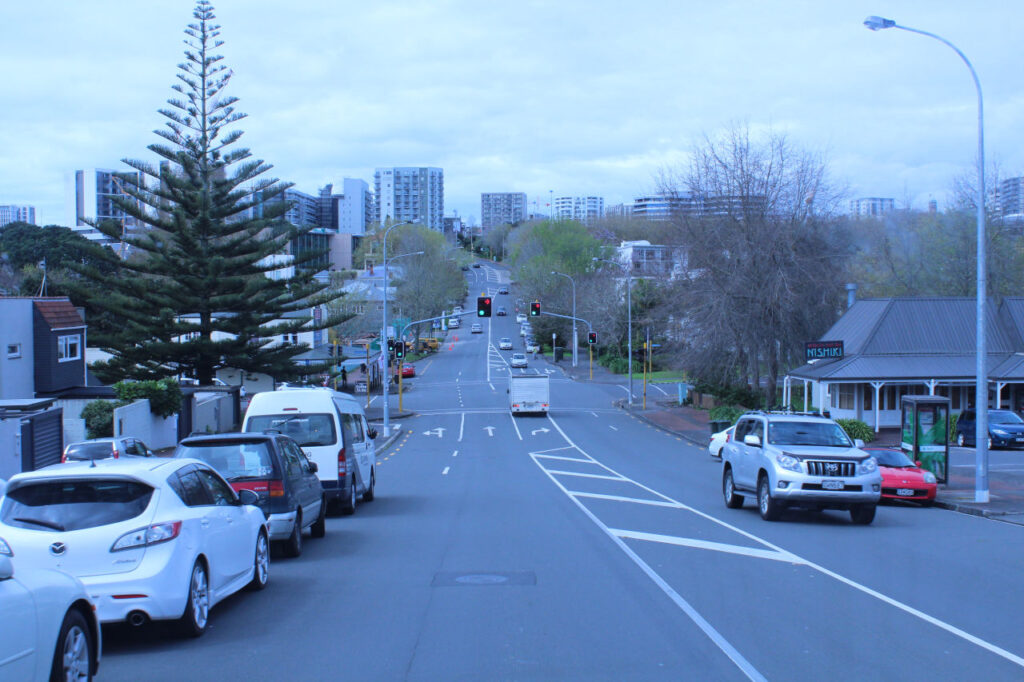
629, 317
384, 324
981, 490
575, 341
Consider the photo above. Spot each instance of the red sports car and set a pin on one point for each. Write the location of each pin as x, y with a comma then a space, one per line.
901, 478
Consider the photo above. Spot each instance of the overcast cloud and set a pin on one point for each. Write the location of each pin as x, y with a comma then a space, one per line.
575, 97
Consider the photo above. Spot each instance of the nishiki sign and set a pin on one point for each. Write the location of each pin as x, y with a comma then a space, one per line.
823, 350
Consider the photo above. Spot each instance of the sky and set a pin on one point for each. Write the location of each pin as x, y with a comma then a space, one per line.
574, 97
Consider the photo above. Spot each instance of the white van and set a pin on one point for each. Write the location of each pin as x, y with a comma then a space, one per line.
331, 429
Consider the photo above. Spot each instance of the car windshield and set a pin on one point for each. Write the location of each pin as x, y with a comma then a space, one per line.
807, 433
74, 504
95, 450
1004, 417
304, 429
890, 458
232, 459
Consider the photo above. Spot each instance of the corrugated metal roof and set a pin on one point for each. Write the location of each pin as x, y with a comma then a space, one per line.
856, 325
1012, 316
935, 325
59, 313
903, 367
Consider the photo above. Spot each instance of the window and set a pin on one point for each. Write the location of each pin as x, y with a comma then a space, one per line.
66, 505
221, 492
869, 396
14, 350
846, 396
69, 347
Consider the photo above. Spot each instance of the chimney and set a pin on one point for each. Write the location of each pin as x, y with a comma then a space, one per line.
851, 295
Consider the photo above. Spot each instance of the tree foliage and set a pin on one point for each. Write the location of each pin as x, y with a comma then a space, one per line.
196, 297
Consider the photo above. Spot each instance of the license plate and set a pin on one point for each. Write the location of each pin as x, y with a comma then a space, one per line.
833, 485
904, 492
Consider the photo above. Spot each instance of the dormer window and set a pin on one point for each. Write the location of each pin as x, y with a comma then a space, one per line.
69, 347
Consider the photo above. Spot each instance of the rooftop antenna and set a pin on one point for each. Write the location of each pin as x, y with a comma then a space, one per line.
42, 285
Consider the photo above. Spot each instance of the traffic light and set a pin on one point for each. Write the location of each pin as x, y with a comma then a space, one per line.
400, 349
535, 309
483, 306
592, 338
391, 346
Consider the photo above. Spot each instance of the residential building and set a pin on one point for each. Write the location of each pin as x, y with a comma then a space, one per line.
662, 206
1011, 199
453, 225
581, 209
871, 207
409, 193
17, 214
651, 260
355, 210
89, 195
502, 208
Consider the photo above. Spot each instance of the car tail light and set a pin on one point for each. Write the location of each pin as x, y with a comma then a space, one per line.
150, 535
63, 457
269, 488
727, 436
117, 454
342, 464
276, 488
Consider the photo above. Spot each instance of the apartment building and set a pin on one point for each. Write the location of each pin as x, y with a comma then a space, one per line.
502, 208
17, 214
409, 193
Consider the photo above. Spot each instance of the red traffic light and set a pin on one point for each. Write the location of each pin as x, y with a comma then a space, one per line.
535, 309
592, 337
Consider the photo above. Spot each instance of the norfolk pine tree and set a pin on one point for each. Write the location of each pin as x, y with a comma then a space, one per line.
194, 296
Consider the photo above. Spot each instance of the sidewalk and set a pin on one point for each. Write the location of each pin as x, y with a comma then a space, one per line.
1006, 488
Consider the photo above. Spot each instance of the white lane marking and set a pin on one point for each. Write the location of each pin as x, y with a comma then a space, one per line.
952, 629
513, 418
462, 425
705, 544
489, 430
663, 392
373, 400
455, 454
493, 390
541, 452
565, 459
445, 472
595, 414
620, 498
612, 427
576, 473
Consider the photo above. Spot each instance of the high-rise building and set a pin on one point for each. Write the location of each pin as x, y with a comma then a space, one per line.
581, 209
89, 195
17, 214
1011, 198
355, 210
501, 208
662, 206
871, 207
409, 193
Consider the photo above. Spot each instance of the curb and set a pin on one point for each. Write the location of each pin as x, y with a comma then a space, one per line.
621, 404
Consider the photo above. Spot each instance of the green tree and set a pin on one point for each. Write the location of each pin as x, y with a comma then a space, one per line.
196, 297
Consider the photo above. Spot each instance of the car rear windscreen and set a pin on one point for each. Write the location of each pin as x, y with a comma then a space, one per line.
304, 429
232, 459
98, 450
74, 505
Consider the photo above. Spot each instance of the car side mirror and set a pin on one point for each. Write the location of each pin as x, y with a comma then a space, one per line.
248, 497
752, 440
372, 433
313, 468
858, 443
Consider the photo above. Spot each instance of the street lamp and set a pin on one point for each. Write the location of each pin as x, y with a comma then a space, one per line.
384, 324
629, 317
981, 491
574, 340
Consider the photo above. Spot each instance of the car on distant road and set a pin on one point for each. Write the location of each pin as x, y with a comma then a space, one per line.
531, 345
476, 265
520, 318
273, 466
454, 323
503, 290
903, 479
408, 371
102, 448
718, 441
1005, 429
518, 360
48, 629
151, 538
505, 343
476, 328
501, 312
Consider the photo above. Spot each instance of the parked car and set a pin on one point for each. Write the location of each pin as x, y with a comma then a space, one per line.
503, 290
1005, 429
518, 360
160, 539
718, 441
331, 429
102, 448
531, 345
786, 460
520, 318
903, 479
408, 371
454, 323
501, 312
476, 328
505, 343
428, 343
48, 630
274, 467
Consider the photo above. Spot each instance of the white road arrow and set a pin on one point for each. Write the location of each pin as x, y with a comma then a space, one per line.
439, 432
548, 370
489, 430
540, 430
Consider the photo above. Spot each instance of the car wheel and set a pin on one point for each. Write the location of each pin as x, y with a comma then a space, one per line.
732, 500
350, 507
960, 440
293, 545
261, 564
769, 508
319, 527
862, 514
368, 495
197, 605
73, 653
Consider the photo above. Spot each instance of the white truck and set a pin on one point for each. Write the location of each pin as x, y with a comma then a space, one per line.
529, 393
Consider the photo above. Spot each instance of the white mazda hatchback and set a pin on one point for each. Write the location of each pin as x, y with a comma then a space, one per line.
151, 539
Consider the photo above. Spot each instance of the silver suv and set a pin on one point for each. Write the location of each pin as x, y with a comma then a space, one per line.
798, 460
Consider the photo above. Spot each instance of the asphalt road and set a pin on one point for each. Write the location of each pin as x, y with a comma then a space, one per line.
587, 545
